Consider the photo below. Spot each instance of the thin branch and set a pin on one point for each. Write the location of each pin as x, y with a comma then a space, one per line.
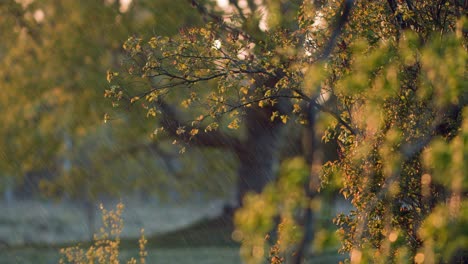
219, 20
234, 107
235, 3
326, 110
171, 122
336, 116
166, 157
343, 19
411, 150
310, 191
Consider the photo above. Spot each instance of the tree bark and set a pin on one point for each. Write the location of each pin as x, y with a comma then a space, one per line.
259, 157
258, 152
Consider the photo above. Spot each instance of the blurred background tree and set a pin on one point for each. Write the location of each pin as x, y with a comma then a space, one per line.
53, 65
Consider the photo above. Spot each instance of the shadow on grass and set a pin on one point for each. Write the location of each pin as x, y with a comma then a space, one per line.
207, 240
205, 233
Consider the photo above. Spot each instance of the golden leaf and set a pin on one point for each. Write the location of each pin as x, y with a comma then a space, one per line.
151, 112
297, 108
284, 118
180, 130
193, 132
234, 124
274, 115
136, 98
244, 90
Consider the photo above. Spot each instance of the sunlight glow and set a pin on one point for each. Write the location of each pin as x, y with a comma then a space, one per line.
124, 5
223, 3
310, 44
217, 44
24, 3
39, 15
263, 25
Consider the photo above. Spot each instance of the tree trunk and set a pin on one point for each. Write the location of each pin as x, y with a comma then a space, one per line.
258, 152
88, 207
259, 157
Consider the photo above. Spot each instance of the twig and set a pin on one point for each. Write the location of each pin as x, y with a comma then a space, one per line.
310, 191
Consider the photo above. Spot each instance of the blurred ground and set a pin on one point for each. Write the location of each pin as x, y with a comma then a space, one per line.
185, 232
161, 256
49, 222
203, 255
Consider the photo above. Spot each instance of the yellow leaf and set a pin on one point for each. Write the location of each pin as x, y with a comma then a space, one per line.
274, 115
153, 42
157, 130
106, 117
297, 108
234, 124
151, 112
193, 132
136, 98
152, 97
186, 103
111, 75
234, 113
284, 119
107, 93
180, 130
211, 127
244, 90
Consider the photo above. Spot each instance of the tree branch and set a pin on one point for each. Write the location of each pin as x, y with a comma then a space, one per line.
217, 19
310, 189
235, 3
342, 20
326, 110
153, 147
171, 122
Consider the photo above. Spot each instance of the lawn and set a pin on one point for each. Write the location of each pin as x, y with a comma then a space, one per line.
206, 242
187, 234
202, 255
206, 255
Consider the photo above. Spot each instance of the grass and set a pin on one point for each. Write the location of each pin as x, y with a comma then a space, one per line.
38, 222
206, 241
160, 256
204, 233
180, 255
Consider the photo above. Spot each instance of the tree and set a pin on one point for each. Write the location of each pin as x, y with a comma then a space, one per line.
397, 74
53, 137
214, 53
52, 53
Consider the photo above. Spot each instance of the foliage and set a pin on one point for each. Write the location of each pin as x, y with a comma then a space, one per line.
52, 62
382, 164
47, 41
396, 75
105, 247
284, 198
200, 55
